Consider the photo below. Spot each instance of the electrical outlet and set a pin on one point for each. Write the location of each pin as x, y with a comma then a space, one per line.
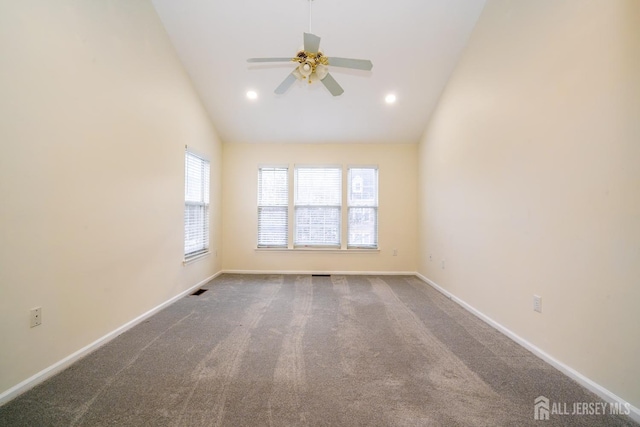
537, 303
442, 264
395, 252
36, 316
430, 257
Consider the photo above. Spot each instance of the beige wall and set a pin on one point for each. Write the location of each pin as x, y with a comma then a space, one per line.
95, 112
397, 206
530, 181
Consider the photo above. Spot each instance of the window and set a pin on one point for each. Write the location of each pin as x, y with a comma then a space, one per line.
196, 205
317, 201
316, 207
362, 202
273, 207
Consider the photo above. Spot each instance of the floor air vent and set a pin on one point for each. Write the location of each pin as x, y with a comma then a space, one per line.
199, 292
320, 275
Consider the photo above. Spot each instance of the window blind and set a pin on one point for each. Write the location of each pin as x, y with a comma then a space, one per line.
317, 201
362, 202
273, 207
196, 205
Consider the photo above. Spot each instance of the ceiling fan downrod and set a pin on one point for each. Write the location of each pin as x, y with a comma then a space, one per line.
310, 3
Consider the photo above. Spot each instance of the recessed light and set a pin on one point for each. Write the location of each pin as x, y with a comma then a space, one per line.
390, 99
252, 94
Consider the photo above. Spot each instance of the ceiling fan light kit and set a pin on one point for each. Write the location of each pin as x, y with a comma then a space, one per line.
314, 65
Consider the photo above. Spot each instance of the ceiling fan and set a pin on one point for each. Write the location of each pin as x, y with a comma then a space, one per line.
314, 66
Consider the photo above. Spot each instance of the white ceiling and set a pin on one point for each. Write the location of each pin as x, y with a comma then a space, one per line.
413, 44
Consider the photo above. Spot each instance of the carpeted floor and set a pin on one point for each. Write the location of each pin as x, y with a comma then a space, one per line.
257, 350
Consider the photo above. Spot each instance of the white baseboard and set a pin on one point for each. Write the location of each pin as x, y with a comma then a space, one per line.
604, 393
59, 366
309, 272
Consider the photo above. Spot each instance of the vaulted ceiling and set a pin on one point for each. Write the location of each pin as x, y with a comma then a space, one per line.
414, 46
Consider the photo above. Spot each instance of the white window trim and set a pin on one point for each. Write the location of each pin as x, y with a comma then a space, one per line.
374, 207
288, 206
195, 256
291, 247
321, 249
339, 206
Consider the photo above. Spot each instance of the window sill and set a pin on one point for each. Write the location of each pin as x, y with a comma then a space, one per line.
195, 258
325, 250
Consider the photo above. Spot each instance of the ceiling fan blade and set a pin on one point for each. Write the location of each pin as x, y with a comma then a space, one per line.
269, 59
286, 83
358, 64
311, 43
330, 83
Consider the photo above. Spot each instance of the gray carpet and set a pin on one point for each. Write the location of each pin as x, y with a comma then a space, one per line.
300, 350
